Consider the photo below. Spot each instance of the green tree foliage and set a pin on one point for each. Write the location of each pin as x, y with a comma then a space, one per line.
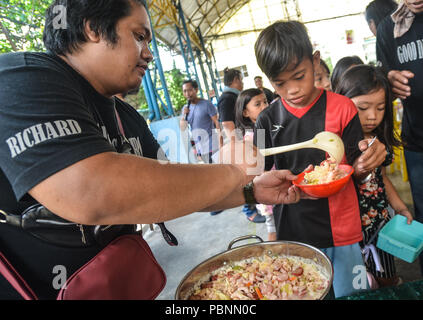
21, 25
174, 80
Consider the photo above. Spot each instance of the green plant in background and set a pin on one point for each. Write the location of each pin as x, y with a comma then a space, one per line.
174, 80
21, 25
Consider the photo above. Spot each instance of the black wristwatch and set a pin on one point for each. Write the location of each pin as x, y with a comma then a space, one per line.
249, 193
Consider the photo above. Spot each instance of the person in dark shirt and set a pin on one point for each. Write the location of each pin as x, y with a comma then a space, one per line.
258, 80
90, 158
285, 55
399, 50
226, 104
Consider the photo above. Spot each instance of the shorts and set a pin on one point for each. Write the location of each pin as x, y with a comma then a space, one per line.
349, 270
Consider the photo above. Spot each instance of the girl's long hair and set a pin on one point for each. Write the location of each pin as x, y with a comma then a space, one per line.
241, 122
364, 79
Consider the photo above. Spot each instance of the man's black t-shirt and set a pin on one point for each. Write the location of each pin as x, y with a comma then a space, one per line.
269, 95
51, 118
226, 106
406, 53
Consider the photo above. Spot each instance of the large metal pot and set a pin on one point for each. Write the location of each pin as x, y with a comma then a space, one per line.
201, 271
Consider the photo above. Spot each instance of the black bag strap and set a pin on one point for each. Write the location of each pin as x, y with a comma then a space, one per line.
167, 235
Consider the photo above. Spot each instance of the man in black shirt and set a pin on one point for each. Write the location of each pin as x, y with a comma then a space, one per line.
226, 104
60, 128
399, 48
258, 80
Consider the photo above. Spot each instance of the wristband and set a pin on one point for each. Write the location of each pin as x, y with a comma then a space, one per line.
249, 193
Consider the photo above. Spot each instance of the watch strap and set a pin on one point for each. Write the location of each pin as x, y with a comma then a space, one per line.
249, 193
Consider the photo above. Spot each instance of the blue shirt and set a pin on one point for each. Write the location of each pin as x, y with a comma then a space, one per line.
199, 119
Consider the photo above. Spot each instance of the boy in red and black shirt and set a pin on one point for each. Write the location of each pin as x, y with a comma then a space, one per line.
284, 53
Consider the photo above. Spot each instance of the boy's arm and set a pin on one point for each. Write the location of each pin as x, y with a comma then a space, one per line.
362, 158
394, 199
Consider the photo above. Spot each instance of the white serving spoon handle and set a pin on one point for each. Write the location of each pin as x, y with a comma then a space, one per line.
291, 147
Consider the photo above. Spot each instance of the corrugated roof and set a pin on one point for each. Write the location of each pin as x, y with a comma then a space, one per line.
208, 16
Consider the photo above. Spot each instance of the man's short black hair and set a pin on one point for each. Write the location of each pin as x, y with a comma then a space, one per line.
103, 16
258, 77
280, 45
229, 75
193, 83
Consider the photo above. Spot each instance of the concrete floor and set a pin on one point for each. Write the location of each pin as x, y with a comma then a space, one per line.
202, 236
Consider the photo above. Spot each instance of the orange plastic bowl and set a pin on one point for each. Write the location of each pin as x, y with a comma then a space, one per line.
324, 190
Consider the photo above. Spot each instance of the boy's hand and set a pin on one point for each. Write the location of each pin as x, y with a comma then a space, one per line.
371, 158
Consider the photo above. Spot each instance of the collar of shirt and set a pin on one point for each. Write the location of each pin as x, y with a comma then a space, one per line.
233, 90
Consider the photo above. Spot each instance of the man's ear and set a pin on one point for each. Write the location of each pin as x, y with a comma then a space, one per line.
90, 34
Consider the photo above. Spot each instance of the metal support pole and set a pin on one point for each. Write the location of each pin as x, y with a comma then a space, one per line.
200, 62
159, 67
213, 80
181, 44
151, 96
152, 114
181, 16
215, 64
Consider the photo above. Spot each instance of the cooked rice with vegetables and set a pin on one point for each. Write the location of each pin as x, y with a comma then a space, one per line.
264, 278
328, 171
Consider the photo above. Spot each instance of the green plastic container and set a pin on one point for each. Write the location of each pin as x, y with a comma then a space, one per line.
400, 239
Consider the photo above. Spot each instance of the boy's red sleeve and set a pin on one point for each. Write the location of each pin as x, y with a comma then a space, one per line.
342, 118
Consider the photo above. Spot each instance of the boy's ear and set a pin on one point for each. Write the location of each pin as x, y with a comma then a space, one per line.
316, 57
316, 60
90, 34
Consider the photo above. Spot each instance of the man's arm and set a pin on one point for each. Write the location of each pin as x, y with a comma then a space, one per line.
270, 187
183, 124
112, 188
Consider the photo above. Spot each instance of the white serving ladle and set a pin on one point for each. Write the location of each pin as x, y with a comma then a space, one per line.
325, 140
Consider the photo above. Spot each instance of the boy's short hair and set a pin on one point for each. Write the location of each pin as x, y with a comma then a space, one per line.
103, 16
280, 45
194, 83
229, 75
258, 77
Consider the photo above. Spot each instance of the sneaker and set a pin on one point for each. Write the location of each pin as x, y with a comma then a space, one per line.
257, 219
213, 213
249, 208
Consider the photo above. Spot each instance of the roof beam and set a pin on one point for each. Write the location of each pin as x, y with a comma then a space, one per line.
167, 15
